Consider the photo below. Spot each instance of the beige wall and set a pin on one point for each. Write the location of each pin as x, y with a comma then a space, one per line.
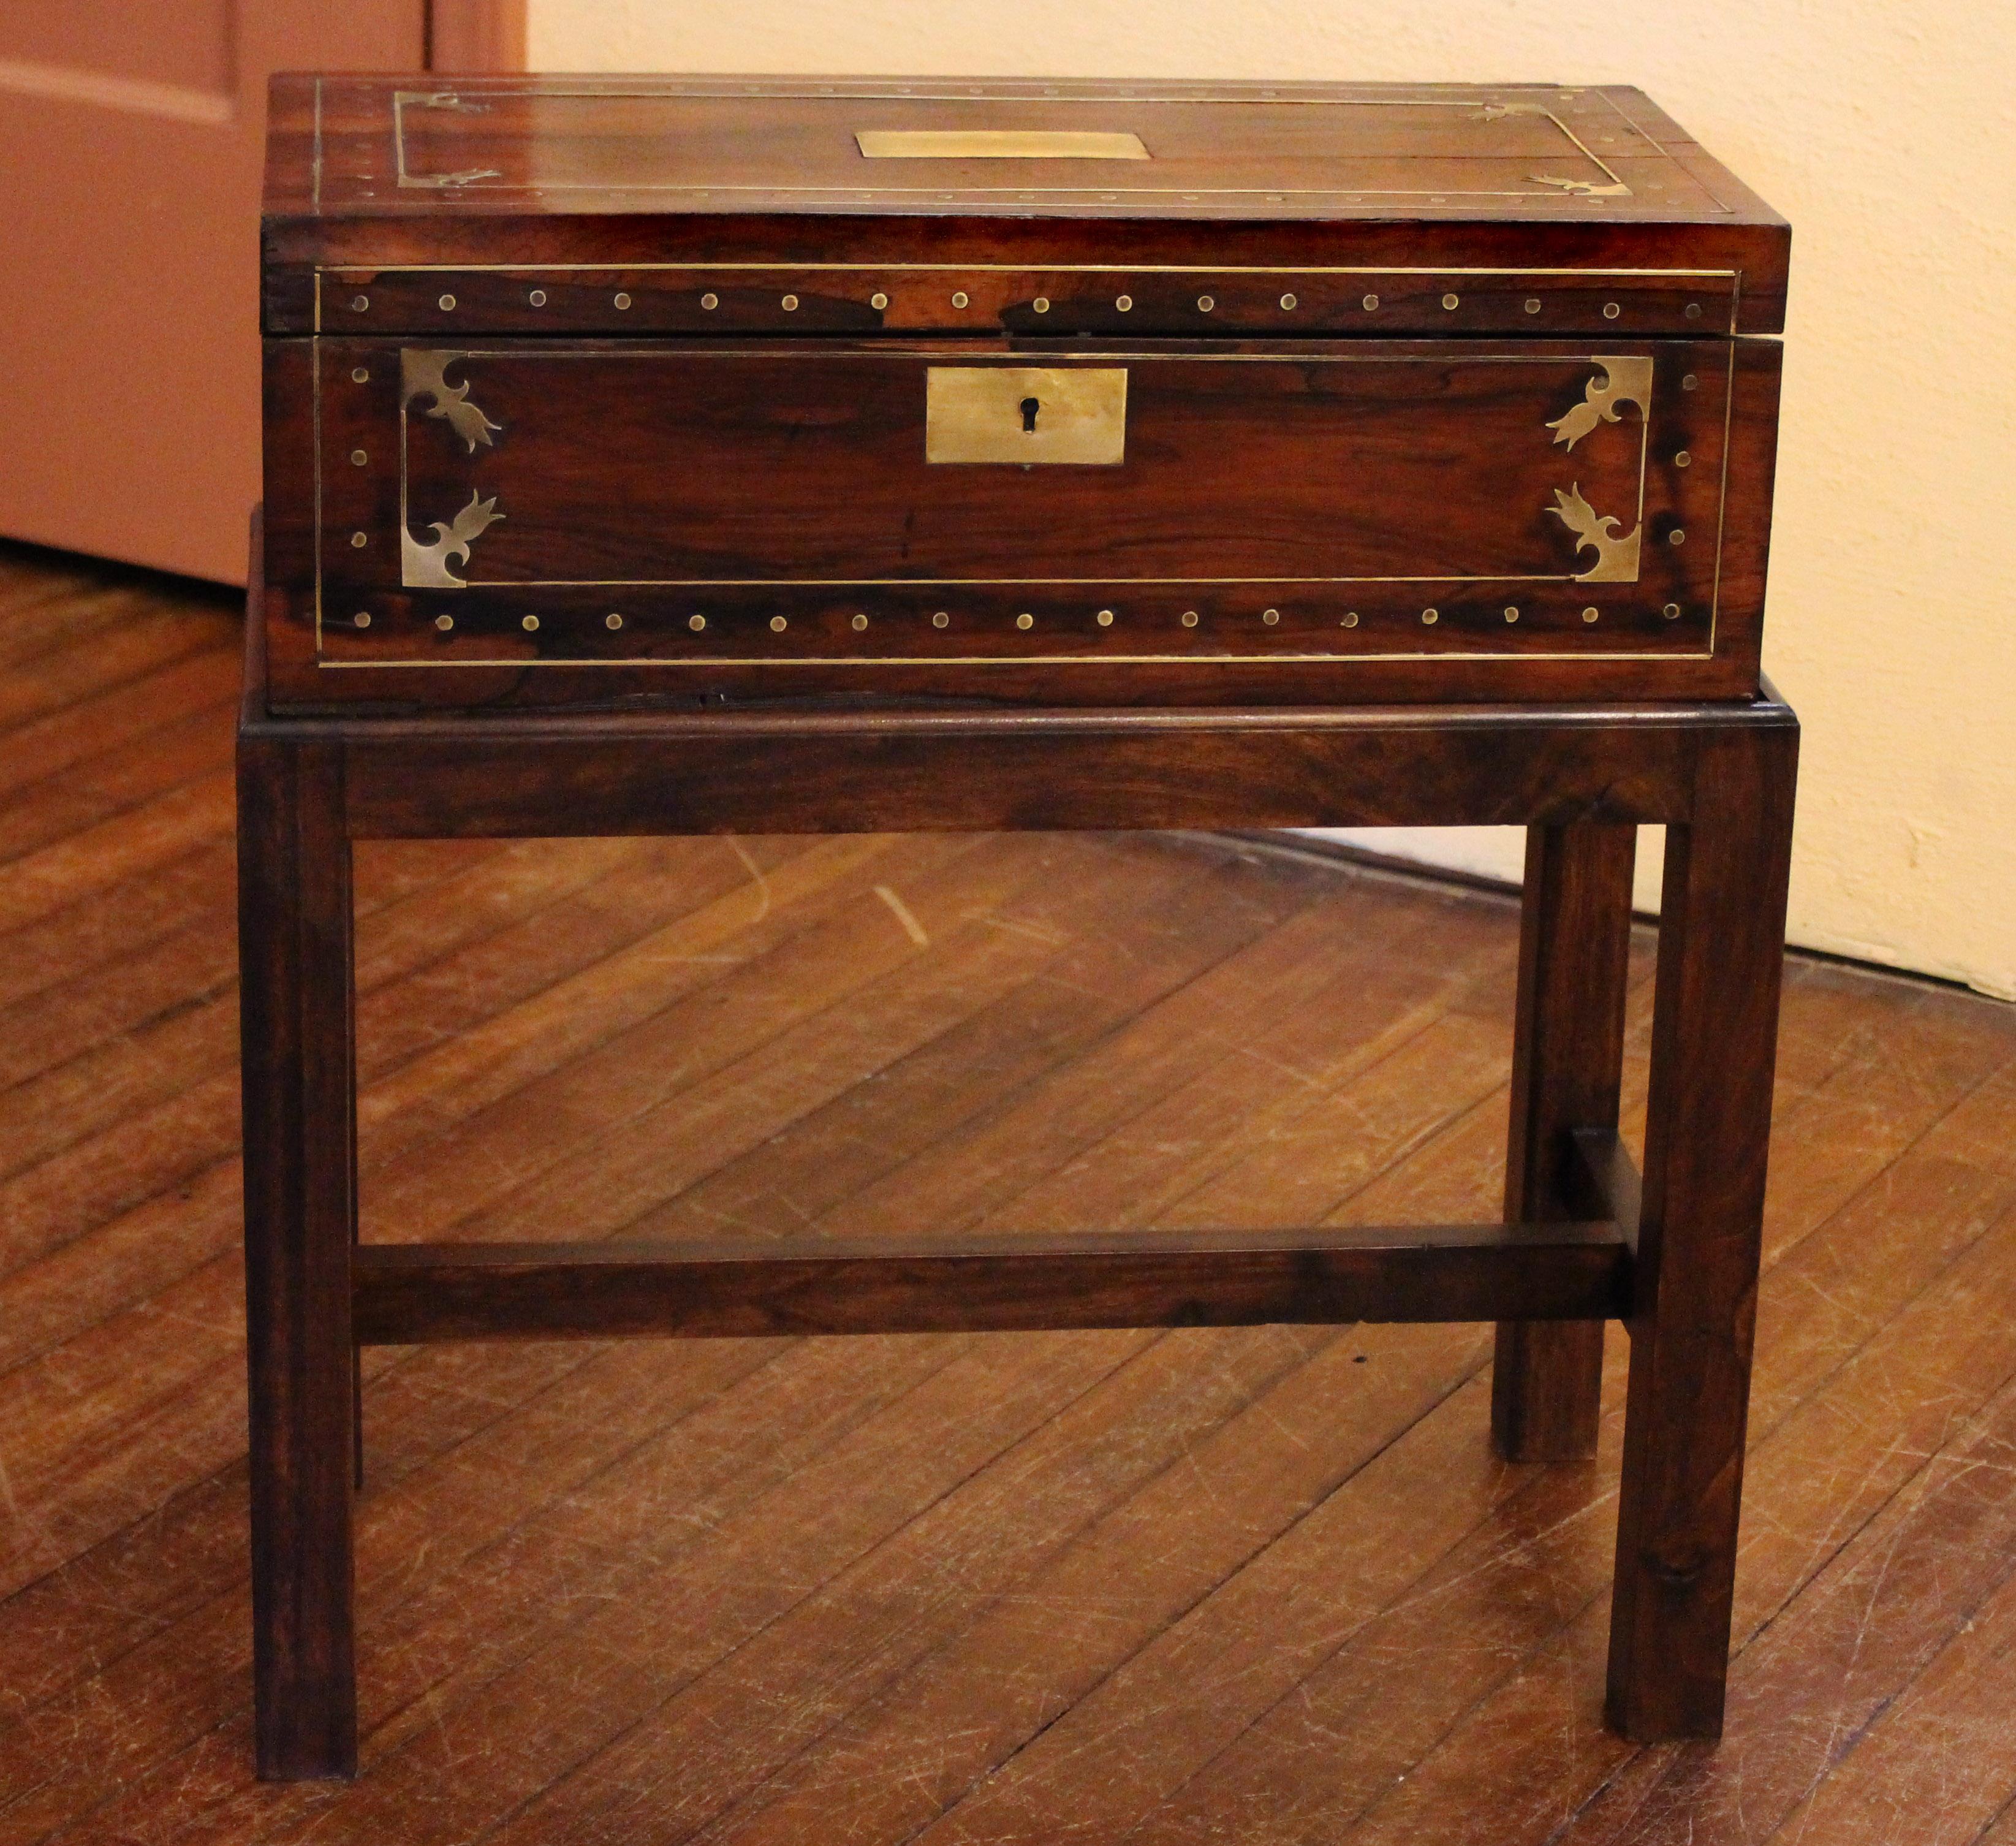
1885, 132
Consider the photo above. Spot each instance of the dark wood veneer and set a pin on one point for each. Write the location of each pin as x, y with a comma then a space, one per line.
407, 1293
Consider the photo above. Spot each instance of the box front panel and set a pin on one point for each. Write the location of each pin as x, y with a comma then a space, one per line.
553, 522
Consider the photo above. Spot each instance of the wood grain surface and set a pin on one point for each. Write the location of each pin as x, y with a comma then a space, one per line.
1267, 1584
1321, 522
382, 193
1568, 1053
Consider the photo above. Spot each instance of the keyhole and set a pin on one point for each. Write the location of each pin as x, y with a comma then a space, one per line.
1030, 407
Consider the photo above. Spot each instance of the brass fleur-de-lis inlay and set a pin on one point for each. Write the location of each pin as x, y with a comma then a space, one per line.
423, 374
1583, 189
1616, 553
425, 567
1627, 379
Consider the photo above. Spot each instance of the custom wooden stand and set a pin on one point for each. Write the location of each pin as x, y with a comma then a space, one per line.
1581, 1242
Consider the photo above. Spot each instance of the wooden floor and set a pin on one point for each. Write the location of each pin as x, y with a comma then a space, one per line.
1256, 1586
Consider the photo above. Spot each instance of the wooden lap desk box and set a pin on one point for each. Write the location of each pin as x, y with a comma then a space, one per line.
668, 456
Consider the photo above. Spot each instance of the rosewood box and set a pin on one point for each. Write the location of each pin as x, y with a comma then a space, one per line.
611, 392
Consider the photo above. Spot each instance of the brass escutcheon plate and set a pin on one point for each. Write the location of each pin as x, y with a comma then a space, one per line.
1026, 414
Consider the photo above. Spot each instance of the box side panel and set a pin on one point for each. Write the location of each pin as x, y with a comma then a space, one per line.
1744, 549
287, 564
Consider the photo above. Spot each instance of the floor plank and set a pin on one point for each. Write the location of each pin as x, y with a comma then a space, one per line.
1263, 1584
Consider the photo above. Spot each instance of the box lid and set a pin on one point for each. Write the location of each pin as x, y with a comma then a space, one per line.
413, 174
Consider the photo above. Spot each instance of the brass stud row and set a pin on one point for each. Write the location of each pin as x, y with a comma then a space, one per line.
1026, 620
878, 301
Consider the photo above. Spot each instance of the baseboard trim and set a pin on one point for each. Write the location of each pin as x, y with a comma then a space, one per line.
1390, 865
1411, 871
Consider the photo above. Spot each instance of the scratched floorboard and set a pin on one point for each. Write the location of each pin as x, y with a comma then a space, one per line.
1261, 1586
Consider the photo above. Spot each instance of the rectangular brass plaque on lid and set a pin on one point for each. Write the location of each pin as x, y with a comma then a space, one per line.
998, 144
1026, 414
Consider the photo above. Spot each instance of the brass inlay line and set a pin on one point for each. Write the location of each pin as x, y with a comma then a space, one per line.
909, 353
1084, 196
1728, 405
1088, 90
314, 424
997, 144
1019, 660
1030, 268
979, 364
957, 582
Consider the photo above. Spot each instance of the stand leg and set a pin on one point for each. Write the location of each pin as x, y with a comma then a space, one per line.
295, 960
1714, 1033
1567, 1052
